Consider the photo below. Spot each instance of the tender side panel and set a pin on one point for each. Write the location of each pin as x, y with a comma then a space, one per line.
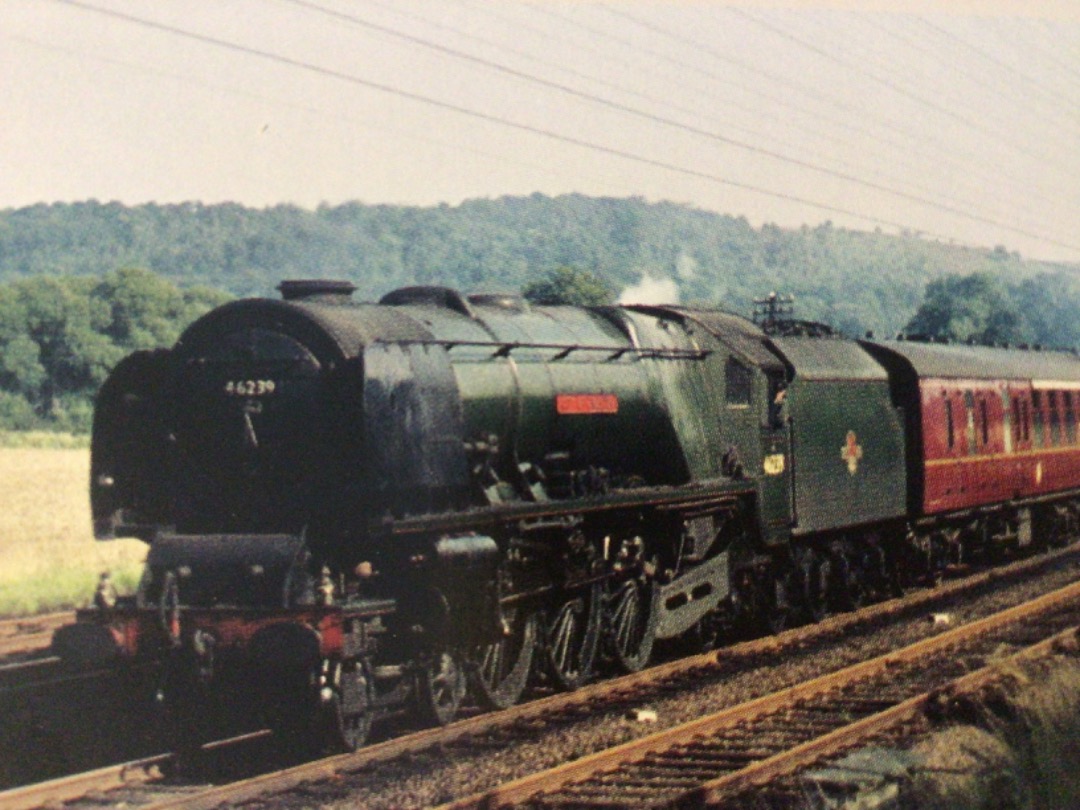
846, 435
849, 454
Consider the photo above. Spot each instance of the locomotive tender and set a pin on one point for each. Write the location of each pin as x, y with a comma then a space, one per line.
356, 507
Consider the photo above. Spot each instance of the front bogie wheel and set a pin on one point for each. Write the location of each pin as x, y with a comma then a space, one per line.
346, 708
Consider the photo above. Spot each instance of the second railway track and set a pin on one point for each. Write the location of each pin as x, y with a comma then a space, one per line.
30, 634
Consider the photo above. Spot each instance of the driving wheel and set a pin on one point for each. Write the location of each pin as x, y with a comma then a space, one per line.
572, 637
440, 688
499, 670
631, 624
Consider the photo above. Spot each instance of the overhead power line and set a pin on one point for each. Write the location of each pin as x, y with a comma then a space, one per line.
364, 123
881, 136
884, 81
498, 120
1032, 84
660, 119
494, 119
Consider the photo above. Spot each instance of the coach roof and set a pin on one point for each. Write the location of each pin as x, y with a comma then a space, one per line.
961, 361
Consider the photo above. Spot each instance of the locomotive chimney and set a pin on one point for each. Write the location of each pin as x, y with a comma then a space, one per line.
302, 289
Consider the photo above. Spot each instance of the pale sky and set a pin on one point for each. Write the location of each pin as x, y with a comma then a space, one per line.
956, 119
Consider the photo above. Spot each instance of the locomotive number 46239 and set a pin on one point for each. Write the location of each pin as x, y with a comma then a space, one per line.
249, 388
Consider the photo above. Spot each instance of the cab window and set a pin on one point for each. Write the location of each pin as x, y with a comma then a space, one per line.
1070, 418
738, 383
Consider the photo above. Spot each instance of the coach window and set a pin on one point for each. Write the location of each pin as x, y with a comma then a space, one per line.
1055, 417
985, 422
1037, 417
1025, 407
1012, 426
969, 407
1070, 417
950, 428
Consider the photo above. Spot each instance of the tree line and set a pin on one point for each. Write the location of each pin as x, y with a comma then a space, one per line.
82, 285
61, 335
855, 280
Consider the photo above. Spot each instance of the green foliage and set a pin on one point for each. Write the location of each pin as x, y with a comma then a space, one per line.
850, 279
979, 307
60, 336
975, 307
67, 314
569, 285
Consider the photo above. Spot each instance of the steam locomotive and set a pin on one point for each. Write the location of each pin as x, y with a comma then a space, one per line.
353, 508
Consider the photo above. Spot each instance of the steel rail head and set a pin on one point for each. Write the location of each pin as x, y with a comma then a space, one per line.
836, 742
68, 788
521, 790
277, 782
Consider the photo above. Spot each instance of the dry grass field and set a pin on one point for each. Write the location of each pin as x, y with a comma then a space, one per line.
49, 559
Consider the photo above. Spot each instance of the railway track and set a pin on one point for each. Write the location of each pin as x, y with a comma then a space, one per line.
30, 634
24, 658
144, 781
500, 729
24, 673
777, 783
713, 759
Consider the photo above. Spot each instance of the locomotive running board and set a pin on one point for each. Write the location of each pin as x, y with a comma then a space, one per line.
684, 601
698, 497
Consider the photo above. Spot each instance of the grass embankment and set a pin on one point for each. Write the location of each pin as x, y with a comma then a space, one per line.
43, 439
1024, 753
49, 559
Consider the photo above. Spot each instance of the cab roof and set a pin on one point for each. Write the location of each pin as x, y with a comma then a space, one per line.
829, 358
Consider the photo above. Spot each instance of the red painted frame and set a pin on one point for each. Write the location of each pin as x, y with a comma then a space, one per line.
995, 456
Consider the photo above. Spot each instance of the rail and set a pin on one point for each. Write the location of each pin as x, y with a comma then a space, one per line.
595, 696
765, 738
31, 633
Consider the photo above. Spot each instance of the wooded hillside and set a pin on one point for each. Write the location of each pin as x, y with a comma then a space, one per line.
81, 285
853, 280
